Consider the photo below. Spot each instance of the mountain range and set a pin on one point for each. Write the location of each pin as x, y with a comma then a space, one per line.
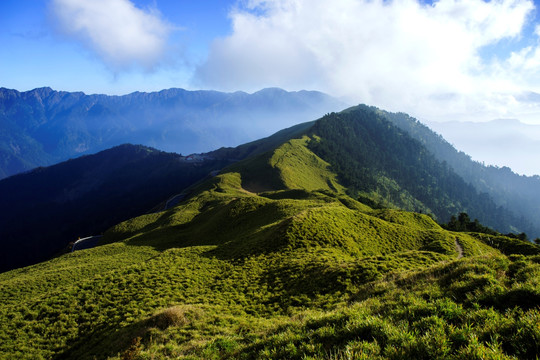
323, 241
382, 159
43, 126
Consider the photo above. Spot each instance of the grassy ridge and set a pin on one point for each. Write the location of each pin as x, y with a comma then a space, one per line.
298, 271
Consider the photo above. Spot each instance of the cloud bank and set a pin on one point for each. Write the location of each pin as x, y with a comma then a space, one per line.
403, 55
117, 31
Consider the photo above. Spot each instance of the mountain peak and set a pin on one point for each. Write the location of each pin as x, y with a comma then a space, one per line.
271, 90
42, 92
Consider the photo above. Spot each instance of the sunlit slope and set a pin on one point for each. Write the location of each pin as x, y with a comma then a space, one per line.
306, 207
42, 211
250, 249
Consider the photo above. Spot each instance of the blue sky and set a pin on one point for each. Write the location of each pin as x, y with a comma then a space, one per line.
37, 53
438, 60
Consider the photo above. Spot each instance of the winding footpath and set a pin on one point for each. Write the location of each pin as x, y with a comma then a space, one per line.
459, 249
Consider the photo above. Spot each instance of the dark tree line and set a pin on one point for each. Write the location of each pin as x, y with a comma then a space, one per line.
463, 223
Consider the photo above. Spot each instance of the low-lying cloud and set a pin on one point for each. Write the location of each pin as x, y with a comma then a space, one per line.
117, 31
403, 55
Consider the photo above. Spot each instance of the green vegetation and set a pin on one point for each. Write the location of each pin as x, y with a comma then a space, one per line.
374, 157
272, 259
50, 207
464, 223
518, 193
87, 195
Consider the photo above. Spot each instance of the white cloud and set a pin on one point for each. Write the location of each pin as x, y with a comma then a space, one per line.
401, 55
120, 33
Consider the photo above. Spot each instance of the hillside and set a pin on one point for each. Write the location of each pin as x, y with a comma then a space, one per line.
44, 210
272, 259
377, 159
518, 193
43, 126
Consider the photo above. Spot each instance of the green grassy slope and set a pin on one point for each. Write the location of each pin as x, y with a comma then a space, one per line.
261, 263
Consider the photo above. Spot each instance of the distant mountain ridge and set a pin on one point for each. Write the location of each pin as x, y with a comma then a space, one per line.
43, 126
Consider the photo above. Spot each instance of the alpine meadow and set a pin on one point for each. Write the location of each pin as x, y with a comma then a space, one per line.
270, 179
354, 236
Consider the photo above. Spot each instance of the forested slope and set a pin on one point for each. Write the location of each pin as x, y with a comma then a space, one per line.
517, 193
373, 158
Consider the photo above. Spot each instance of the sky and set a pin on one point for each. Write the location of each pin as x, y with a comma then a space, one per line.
446, 60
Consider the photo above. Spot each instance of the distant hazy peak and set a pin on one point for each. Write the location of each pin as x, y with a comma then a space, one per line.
47, 91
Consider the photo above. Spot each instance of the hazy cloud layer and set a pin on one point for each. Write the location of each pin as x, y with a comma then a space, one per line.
120, 33
402, 55
499, 142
